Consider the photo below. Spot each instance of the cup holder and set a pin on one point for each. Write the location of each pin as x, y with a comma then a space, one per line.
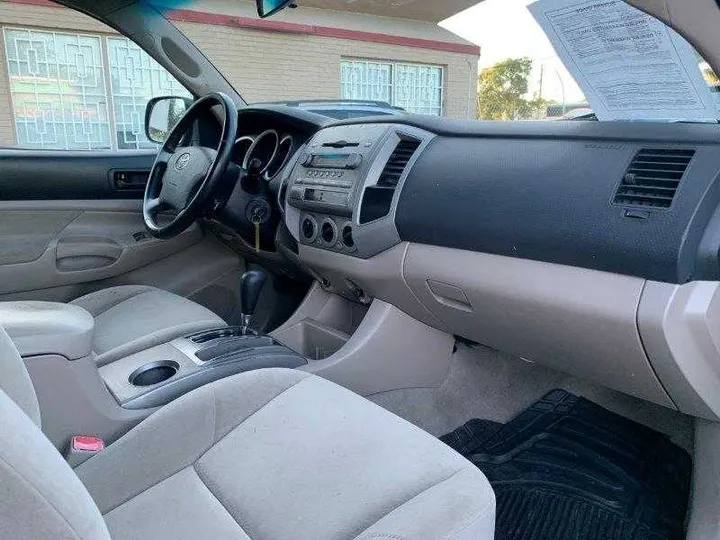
154, 373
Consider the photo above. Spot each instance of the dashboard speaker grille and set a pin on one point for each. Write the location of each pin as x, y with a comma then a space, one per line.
398, 162
653, 177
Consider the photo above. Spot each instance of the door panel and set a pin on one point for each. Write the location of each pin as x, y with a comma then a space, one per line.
98, 248
65, 175
71, 223
24, 236
91, 246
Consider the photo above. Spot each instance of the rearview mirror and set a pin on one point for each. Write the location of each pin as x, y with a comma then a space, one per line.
161, 115
265, 8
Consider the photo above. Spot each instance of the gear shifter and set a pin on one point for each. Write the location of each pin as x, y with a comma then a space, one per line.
251, 284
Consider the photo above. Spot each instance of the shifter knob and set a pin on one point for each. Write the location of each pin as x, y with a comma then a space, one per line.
251, 284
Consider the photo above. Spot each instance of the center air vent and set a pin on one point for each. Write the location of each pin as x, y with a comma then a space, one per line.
653, 177
377, 200
397, 163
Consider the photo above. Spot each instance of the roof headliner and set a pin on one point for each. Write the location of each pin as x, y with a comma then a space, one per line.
420, 10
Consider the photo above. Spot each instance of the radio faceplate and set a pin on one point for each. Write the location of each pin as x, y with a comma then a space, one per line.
329, 160
330, 174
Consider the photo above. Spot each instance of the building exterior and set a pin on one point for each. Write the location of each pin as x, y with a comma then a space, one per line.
69, 82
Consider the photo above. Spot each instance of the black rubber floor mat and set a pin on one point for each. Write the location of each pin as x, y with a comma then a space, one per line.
567, 469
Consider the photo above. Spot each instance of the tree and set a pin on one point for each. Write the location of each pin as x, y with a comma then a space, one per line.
710, 77
503, 88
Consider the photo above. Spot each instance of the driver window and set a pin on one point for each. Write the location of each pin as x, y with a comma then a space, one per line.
77, 91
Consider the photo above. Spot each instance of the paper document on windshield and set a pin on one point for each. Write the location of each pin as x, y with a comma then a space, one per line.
630, 65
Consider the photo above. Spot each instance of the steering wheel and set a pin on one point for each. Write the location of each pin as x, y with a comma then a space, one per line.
184, 179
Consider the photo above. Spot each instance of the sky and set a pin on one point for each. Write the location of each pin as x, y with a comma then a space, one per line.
506, 29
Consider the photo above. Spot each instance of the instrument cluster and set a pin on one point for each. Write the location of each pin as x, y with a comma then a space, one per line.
270, 148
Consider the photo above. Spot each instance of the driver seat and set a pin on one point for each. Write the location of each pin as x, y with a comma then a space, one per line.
132, 318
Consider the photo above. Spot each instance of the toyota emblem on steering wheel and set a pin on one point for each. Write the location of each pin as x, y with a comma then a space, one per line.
182, 161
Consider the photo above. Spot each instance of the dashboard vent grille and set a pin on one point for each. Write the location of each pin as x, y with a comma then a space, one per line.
653, 177
397, 163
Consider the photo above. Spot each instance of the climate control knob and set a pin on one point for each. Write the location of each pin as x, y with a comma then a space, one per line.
309, 229
328, 232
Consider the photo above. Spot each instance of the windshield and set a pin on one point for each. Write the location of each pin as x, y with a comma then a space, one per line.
570, 59
497, 60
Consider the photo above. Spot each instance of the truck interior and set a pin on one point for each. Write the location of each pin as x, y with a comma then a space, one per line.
282, 325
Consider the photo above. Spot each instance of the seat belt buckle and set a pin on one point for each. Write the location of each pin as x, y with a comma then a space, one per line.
82, 448
85, 443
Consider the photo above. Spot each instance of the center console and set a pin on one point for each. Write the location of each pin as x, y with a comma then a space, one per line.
343, 192
157, 376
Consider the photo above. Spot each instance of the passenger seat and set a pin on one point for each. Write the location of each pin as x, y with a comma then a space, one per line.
267, 455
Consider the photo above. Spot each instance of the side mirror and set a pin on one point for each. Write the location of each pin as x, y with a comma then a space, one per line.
265, 8
161, 115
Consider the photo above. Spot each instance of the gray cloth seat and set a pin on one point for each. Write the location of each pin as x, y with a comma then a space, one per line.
271, 454
133, 318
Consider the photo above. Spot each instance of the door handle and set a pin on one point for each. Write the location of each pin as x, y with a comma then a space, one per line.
129, 180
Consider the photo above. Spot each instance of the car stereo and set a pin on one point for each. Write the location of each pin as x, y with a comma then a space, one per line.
333, 161
326, 181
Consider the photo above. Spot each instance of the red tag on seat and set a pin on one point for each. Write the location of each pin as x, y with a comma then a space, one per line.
84, 443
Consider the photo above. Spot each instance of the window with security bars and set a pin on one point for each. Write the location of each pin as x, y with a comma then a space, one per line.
74, 91
135, 78
417, 88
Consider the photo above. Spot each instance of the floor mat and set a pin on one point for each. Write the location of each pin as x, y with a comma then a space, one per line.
567, 469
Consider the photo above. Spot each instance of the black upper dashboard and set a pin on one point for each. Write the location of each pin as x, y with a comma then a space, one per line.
555, 201
585, 130
255, 119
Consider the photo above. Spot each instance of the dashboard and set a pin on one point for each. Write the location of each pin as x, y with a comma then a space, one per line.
626, 199
589, 247
638, 199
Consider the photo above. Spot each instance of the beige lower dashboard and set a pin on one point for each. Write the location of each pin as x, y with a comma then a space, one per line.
655, 341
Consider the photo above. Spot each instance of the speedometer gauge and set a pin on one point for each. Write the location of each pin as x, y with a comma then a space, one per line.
264, 149
242, 145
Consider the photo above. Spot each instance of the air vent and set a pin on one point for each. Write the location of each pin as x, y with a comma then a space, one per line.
653, 177
377, 200
397, 163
